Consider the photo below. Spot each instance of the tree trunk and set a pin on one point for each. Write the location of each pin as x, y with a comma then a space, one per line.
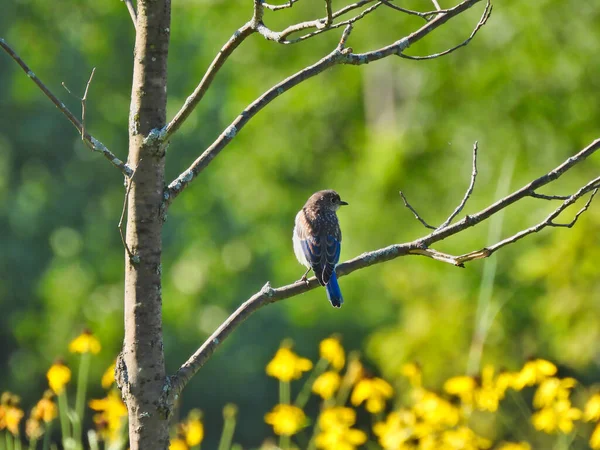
142, 366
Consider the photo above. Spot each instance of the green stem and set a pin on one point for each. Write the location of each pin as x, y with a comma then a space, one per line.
9, 441
32, 444
63, 413
284, 442
227, 434
17, 441
47, 435
82, 380
304, 394
284, 392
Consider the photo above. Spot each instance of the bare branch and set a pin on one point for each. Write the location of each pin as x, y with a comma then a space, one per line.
549, 197
329, 13
467, 194
94, 144
436, 4
417, 216
193, 100
484, 17
418, 247
289, 4
132, 12
580, 212
425, 15
337, 56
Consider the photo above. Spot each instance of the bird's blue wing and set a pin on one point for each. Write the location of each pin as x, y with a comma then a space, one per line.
330, 257
311, 247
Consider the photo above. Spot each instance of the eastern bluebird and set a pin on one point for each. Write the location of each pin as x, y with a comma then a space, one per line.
317, 240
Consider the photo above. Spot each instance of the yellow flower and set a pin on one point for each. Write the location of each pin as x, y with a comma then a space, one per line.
397, 429
464, 437
33, 429
287, 366
58, 376
108, 377
12, 418
327, 384
551, 390
489, 394
595, 438
86, 342
178, 444
559, 416
192, 428
374, 391
412, 371
45, 410
286, 420
533, 372
112, 414
514, 446
435, 411
331, 349
337, 416
592, 409
336, 432
461, 386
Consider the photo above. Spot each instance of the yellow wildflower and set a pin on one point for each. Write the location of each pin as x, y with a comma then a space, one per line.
193, 429
331, 349
86, 342
595, 438
178, 444
45, 410
354, 371
464, 437
58, 376
559, 416
533, 372
514, 446
33, 429
108, 377
12, 417
327, 384
112, 414
337, 416
336, 430
374, 391
412, 371
287, 366
592, 408
551, 390
489, 394
461, 386
397, 429
435, 411
286, 420
2, 417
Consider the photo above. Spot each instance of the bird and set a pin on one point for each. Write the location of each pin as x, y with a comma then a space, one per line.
317, 240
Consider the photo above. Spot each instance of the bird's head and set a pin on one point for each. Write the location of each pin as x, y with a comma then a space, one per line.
327, 200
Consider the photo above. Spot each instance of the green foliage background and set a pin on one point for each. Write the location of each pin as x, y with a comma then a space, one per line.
526, 88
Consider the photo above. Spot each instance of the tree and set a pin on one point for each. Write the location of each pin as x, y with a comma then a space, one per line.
148, 390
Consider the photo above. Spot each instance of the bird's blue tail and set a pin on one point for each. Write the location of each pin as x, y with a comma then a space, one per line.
334, 294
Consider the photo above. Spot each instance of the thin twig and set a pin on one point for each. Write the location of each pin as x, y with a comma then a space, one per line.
289, 4
436, 4
416, 214
424, 14
133, 258
83, 103
580, 212
467, 194
337, 56
484, 17
96, 145
329, 14
549, 197
193, 100
269, 295
132, 12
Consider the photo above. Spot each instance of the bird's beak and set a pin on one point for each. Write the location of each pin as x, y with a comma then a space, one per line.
342, 202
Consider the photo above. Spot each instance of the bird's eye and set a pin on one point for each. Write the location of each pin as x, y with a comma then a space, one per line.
333, 199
